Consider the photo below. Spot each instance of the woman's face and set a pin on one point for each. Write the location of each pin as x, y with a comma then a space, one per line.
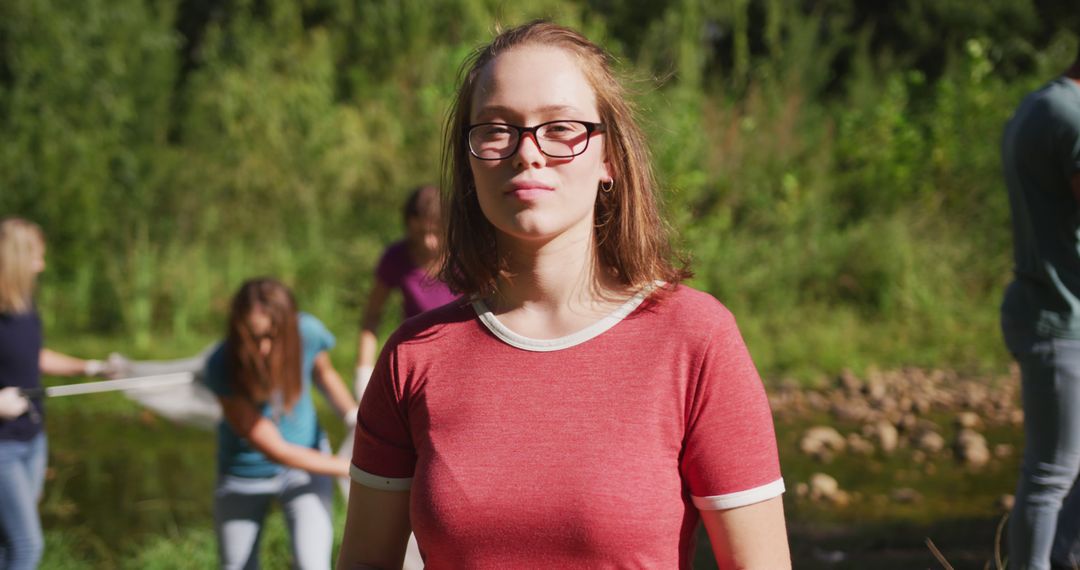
37, 260
531, 197
423, 234
261, 327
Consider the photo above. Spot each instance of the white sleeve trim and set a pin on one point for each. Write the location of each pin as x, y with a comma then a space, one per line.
740, 498
377, 482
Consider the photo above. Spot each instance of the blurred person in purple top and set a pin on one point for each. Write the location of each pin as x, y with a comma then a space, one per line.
409, 266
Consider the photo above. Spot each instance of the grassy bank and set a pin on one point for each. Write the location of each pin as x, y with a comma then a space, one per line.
128, 490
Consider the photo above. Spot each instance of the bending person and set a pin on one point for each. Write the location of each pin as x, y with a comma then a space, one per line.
23, 359
583, 408
408, 265
270, 445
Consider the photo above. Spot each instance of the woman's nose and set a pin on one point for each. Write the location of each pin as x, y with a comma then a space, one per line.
528, 152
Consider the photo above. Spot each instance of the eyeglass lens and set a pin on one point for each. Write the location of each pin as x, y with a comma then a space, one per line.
558, 139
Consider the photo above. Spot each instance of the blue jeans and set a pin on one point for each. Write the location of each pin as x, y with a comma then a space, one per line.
240, 506
1045, 521
22, 477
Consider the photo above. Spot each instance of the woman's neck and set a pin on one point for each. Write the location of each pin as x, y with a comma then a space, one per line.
554, 288
420, 255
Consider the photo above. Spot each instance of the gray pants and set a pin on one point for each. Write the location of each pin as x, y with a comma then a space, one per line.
1045, 522
240, 506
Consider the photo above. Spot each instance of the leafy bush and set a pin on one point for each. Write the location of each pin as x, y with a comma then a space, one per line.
831, 166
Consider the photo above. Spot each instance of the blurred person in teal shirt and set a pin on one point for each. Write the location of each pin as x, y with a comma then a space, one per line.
270, 445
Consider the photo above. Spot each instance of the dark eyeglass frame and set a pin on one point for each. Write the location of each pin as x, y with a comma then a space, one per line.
590, 128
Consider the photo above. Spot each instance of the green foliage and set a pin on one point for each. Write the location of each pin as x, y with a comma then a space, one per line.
831, 166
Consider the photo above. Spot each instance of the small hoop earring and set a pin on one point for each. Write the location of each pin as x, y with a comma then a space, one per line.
607, 185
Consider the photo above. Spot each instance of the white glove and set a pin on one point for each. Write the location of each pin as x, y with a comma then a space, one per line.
114, 367
12, 403
350, 418
118, 366
360, 381
93, 368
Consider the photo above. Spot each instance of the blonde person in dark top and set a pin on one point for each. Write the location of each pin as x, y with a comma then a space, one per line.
23, 359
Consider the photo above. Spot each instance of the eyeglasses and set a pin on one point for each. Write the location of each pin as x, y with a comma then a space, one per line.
557, 139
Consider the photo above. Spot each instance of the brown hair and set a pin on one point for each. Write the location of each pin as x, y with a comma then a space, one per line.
20, 241
423, 203
277, 375
631, 237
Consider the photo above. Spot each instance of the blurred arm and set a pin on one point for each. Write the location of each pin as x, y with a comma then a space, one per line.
376, 529
57, 364
753, 536
264, 436
368, 343
326, 376
369, 323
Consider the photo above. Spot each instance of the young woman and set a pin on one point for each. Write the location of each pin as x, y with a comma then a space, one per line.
270, 445
408, 265
581, 409
23, 446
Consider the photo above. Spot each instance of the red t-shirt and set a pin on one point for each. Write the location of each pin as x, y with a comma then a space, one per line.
593, 450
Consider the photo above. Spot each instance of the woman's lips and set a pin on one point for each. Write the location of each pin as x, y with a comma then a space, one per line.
529, 190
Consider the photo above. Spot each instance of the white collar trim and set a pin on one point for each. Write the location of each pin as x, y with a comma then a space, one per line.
549, 345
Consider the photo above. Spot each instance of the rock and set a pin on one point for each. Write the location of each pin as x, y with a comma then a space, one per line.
821, 442
823, 488
875, 388
815, 400
970, 447
857, 444
884, 435
847, 411
905, 495
1003, 450
802, 490
967, 420
930, 442
850, 383
907, 423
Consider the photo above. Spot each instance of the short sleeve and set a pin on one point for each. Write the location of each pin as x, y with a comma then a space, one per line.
393, 265
215, 375
316, 337
383, 453
730, 457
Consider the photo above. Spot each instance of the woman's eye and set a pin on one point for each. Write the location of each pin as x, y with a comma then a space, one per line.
496, 130
562, 130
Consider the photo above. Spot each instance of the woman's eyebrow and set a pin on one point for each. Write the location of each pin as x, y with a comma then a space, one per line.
488, 110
